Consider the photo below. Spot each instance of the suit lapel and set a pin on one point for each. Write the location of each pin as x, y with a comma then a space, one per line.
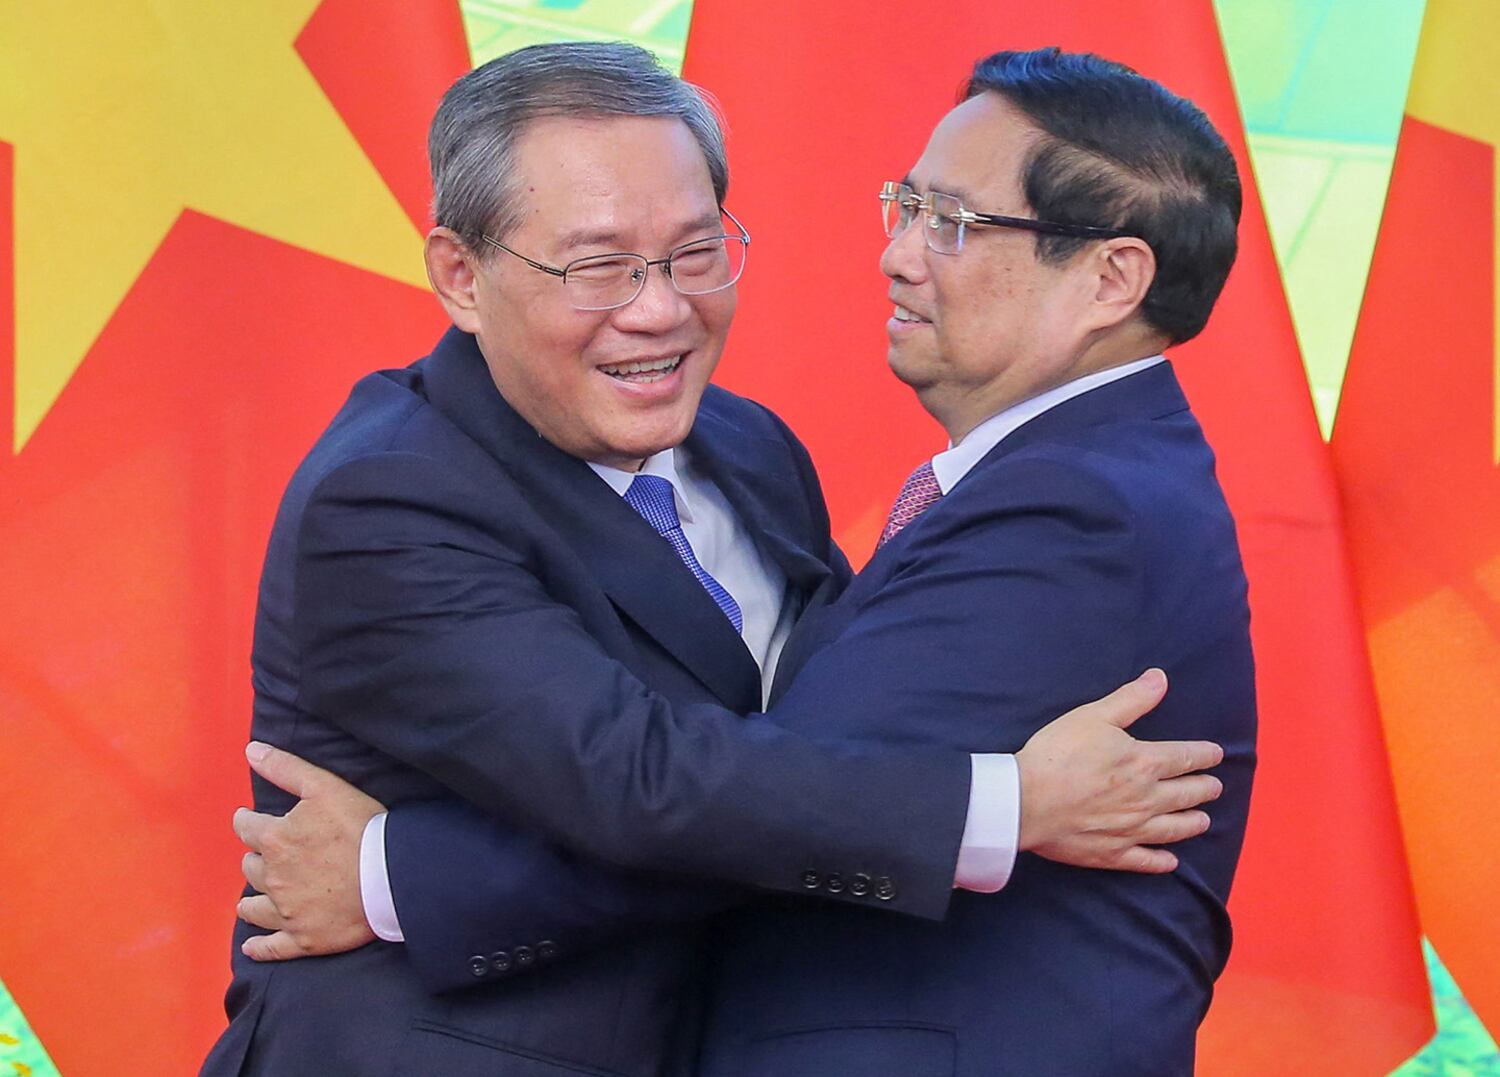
1151, 394
758, 476
639, 571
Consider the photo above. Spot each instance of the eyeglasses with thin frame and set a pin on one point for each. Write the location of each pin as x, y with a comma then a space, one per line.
946, 218
608, 281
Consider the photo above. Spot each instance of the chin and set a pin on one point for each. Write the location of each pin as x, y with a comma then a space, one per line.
640, 444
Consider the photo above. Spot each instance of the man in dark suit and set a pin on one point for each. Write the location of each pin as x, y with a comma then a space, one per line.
1066, 222
464, 596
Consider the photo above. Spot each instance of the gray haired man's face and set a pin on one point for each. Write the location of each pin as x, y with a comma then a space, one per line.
611, 386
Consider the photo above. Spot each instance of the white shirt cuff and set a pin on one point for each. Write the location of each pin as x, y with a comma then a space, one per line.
993, 827
375, 882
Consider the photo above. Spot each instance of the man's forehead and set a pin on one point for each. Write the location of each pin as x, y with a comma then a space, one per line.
592, 181
976, 151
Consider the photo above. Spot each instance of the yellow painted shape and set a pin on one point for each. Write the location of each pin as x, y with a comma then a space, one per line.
122, 116
1455, 84
7, 1039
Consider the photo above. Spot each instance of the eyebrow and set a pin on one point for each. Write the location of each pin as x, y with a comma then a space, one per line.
957, 192
604, 237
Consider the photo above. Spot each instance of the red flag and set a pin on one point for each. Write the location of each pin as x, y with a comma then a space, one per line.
138, 506
1414, 441
826, 101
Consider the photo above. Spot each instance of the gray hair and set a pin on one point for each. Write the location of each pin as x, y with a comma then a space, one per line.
472, 144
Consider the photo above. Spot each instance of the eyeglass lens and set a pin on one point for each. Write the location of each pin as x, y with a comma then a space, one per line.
613, 280
943, 231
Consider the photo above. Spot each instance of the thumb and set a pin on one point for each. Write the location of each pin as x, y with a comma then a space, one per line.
282, 769
1129, 701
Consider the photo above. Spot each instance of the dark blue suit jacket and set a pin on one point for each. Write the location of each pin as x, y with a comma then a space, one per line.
1090, 544
452, 610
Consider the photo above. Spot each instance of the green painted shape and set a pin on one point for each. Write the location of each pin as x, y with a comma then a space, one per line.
496, 27
21, 1052
1322, 86
1462, 1046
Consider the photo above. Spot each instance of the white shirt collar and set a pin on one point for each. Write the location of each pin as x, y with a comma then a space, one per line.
954, 463
663, 465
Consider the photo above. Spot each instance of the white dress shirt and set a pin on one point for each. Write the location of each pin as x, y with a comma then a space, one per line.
724, 548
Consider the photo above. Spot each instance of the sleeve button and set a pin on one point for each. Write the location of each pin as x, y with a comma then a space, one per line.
546, 950
859, 885
811, 880
525, 956
834, 883
500, 961
479, 966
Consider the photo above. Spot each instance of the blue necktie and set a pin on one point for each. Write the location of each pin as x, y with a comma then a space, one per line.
651, 496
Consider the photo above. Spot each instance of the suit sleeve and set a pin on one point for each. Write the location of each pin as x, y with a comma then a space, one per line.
428, 631
470, 889
468, 886
998, 618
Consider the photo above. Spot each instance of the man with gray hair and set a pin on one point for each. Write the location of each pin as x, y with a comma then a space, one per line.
527, 590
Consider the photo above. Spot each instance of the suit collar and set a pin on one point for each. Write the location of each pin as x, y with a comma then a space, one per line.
1153, 393
641, 574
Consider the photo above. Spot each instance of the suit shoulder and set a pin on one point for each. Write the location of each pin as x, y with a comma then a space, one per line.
1134, 464
387, 435
746, 415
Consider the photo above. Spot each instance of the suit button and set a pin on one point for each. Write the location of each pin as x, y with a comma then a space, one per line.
885, 889
478, 965
525, 956
834, 883
811, 880
500, 961
859, 885
546, 950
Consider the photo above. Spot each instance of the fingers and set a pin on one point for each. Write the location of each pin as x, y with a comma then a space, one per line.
261, 911
278, 946
253, 867
1180, 794
1129, 701
282, 769
1169, 758
1176, 826
252, 827
1144, 861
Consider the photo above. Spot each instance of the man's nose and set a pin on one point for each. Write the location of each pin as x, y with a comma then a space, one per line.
658, 307
905, 256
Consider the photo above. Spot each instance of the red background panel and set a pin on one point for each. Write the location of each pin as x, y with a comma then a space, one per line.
824, 102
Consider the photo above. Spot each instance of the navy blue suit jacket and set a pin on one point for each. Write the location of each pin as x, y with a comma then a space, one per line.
452, 610
1091, 543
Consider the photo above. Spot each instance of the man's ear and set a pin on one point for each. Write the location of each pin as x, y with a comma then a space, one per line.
450, 269
1125, 268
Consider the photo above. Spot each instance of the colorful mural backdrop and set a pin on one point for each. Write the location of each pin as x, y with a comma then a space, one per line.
209, 226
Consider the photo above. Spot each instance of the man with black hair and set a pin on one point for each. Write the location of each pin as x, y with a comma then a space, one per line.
1067, 221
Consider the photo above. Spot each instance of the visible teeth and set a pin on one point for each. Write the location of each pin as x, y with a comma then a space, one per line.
904, 315
654, 366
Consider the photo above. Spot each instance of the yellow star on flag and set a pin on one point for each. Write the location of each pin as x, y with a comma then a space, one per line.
122, 115
1455, 84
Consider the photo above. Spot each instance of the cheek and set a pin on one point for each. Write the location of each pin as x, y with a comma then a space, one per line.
716, 312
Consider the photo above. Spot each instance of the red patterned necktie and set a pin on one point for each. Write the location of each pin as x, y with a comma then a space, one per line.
918, 495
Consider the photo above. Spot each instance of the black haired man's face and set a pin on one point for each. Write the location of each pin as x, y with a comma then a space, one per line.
980, 330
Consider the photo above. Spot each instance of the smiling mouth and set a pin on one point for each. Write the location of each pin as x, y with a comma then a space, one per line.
904, 315
643, 373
